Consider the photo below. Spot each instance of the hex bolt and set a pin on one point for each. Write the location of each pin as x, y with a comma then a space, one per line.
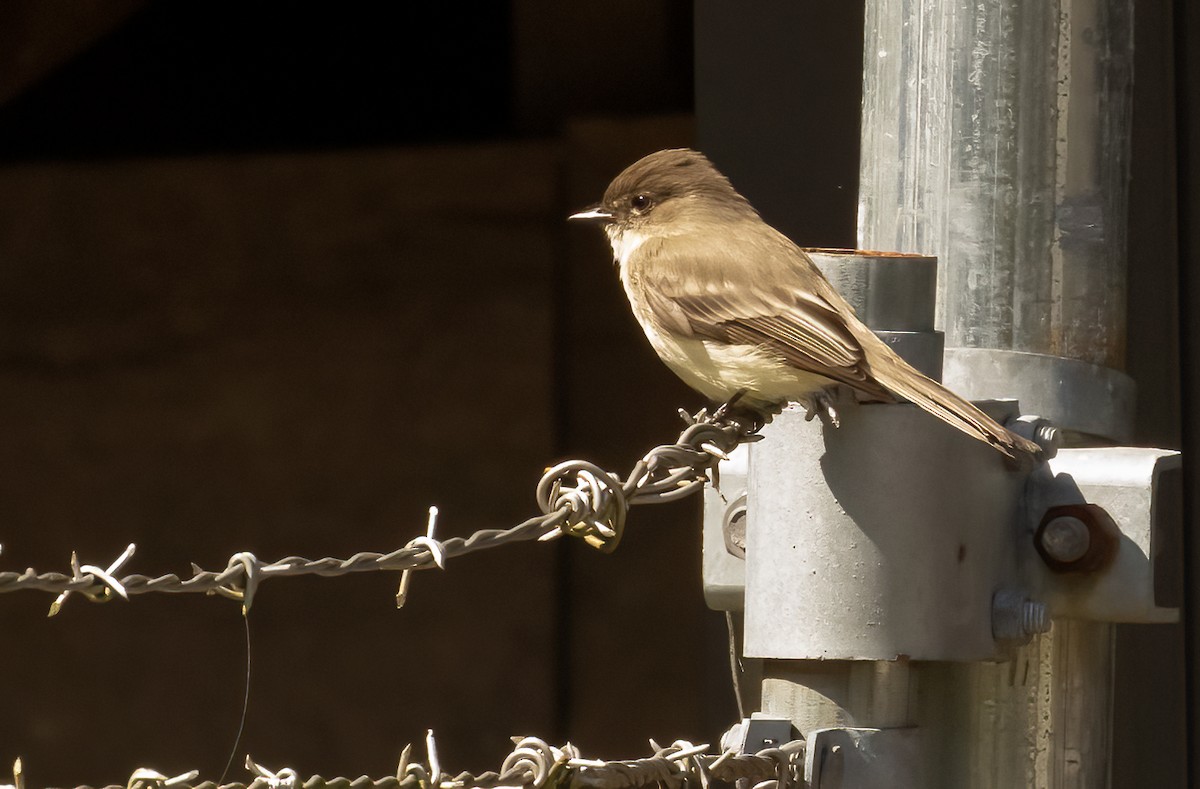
1049, 438
1039, 430
1077, 538
1065, 539
1016, 618
1035, 618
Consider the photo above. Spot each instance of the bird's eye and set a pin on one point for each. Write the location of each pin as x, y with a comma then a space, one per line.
640, 203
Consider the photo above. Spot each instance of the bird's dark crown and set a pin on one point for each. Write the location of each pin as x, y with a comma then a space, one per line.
668, 174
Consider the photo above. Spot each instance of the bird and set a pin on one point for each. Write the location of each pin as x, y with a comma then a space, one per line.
741, 313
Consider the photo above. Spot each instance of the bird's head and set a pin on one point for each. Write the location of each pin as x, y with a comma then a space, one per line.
664, 194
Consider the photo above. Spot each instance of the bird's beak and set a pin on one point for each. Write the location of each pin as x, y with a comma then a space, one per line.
593, 213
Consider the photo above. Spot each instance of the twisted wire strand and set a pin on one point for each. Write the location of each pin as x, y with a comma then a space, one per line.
533, 764
577, 498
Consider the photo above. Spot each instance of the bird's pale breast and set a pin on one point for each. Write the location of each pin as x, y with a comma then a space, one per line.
717, 370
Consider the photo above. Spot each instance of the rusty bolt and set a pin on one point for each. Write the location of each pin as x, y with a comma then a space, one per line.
1077, 538
1066, 538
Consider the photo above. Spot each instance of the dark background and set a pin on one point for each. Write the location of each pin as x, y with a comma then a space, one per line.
277, 278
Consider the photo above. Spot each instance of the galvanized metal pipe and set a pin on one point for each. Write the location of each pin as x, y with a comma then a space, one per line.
996, 136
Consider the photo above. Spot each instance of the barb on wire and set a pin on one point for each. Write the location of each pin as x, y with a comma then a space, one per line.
533, 764
287, 778
18, 776
538, 763
577, 498
145, 778
435, 551
107, 583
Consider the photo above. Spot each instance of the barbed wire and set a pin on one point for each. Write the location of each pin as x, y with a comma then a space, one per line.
533, 764
576, 497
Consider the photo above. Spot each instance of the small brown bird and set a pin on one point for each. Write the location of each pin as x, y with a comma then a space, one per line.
737, 310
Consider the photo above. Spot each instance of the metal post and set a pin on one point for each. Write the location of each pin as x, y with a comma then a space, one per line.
995, 136
897, 580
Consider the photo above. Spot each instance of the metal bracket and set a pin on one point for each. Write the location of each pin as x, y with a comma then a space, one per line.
849, 758
1123, 502
759, 732
1078, 396
880, 539
1136, 574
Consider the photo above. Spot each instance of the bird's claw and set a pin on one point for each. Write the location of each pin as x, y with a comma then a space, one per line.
821, 403
725, 407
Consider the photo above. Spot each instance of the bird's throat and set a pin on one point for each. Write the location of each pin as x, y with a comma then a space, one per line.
624, 244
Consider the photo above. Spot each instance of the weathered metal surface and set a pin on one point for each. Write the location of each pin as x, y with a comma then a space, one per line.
996, 136
888, 290
883, 538
816, 694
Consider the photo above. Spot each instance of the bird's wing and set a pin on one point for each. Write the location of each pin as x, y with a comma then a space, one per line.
795, 315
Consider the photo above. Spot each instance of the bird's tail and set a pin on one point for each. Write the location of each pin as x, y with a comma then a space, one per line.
903, 380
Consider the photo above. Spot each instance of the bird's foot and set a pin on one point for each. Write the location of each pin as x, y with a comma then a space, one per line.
729, 404
751, 418
820, 403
